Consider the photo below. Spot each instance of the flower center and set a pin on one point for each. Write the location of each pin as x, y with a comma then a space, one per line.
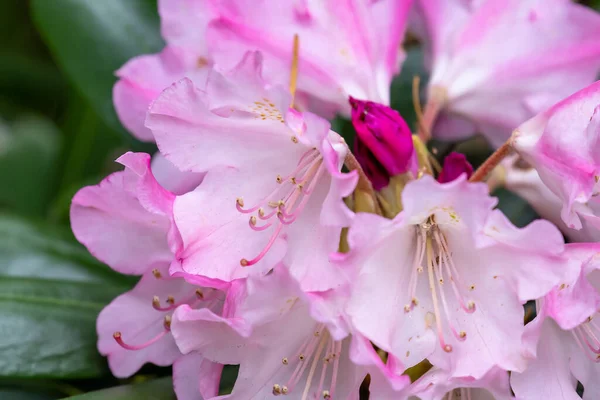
433, 254
193, 299
587, 336
319, 349
284, 204
458, 394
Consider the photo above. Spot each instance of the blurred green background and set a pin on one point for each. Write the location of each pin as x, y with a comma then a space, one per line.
59, 132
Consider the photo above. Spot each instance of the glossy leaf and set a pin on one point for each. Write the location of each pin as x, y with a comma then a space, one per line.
90, 39
158, 389
51, 291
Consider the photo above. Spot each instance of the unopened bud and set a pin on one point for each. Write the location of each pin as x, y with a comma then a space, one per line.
383, 143
455, 164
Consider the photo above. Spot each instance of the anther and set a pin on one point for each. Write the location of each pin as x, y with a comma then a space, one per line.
472, 287
419, 269
301, 357
167, 322
156, 273
276, 389
407, 308
462, 334
294, 139
414, 301
317, 333
284, 361
441, 281
261, 212
253, 220
471, 306
326, 394
155, 302
244, 262
170, 300
199, 294
448, 348
293, 180
279, 179
284, 390
240, 201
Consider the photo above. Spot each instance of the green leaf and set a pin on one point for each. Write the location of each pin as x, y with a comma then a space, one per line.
51, 291
90, 39
401, 91
159, 389
29, 152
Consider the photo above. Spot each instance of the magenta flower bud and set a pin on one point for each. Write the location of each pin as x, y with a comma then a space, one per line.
383, 143
455, 164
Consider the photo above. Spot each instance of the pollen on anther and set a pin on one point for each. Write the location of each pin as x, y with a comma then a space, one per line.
441, 281
472, 287
170, 300
240, 201
261, 212
284, 361
419, 269
155, 301
276, 389
244, 262
117, 335
407, 308
326, 394
415, 301
167, 322
156, 273
199, 294
448, 348
471, 305
279, 179
294, 139
301, 357
462, 334
284, 390
253, 220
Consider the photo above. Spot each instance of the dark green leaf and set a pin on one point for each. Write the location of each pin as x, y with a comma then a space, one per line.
159, 389
29, 151
90, 39
51, 291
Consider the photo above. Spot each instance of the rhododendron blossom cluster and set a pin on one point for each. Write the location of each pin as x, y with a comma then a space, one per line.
378, 268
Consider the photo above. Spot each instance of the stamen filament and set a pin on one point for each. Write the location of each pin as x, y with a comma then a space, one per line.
446, 347
119, 339
247, 263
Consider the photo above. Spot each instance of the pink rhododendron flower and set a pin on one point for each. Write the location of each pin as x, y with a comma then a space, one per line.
383, 143
436, 384
495, 63
125, 222
143, 78
525, 182
455, 164
172, 179
273, 188
449, 269
563, 145
281, 349
563, 339
349, 47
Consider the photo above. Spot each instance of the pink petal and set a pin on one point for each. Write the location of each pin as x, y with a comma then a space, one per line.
196, 378
123, 221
